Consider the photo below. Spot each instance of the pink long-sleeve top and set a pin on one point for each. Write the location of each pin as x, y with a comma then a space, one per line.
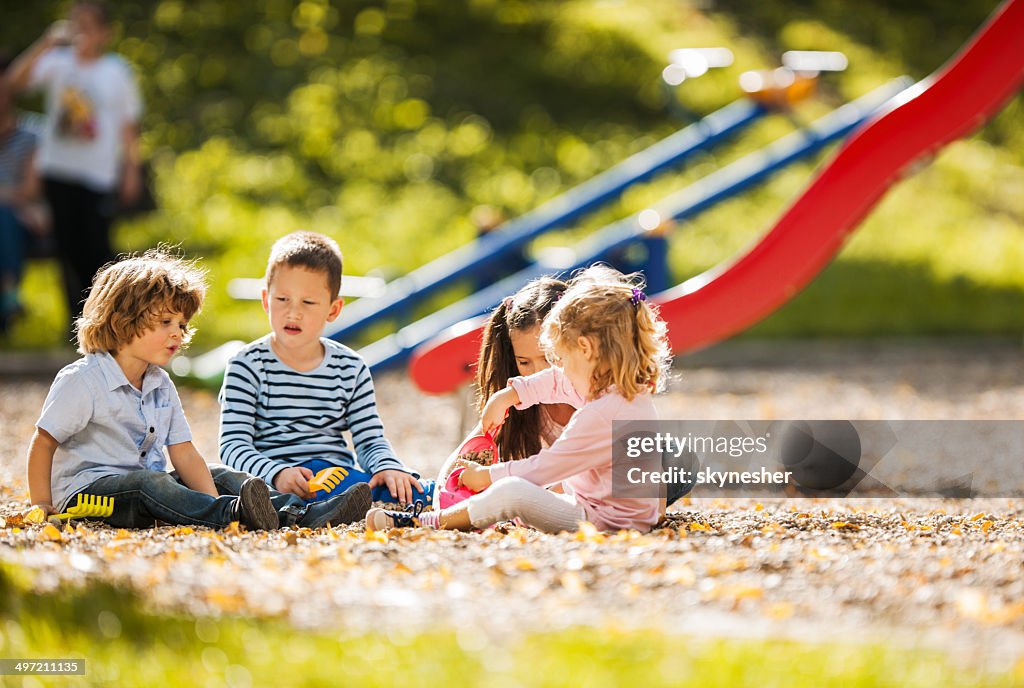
582, 456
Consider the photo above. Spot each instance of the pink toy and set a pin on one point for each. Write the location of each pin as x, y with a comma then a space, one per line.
451, 494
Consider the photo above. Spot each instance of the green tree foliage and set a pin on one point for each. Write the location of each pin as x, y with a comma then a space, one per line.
385, 124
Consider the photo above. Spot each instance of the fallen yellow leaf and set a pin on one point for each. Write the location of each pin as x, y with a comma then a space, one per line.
779, 610
50, 534
588, 532
35, 515
375, 536
744, 592
986, 526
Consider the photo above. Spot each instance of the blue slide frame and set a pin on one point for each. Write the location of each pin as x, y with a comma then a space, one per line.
715, 188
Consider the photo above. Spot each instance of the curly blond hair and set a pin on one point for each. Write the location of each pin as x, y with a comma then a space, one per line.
127, 298
630, 339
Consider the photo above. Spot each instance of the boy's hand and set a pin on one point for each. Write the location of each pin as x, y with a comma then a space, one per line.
497, 408
399, 483
294, 480
475, 477
47, 509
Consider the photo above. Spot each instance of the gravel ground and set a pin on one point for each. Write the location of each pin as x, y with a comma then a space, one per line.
946, 573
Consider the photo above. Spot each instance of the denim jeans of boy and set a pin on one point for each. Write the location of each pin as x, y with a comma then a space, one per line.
229, 481
142, 497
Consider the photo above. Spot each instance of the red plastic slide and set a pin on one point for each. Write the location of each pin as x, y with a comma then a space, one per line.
965, 94
962, 96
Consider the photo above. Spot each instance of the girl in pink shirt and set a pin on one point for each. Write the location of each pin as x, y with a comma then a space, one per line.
511, 347
610, 354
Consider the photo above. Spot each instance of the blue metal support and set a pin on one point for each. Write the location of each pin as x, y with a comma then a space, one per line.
716, 187
656, 271
479, 257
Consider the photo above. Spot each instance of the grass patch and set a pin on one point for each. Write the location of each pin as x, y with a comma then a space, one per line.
126, 645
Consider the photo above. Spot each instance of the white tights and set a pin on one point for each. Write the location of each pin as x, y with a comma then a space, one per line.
518, 498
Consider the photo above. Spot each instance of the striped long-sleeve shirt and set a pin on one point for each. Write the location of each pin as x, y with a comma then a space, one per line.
273, 417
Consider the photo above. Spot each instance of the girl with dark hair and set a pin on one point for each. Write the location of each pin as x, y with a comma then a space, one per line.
610, 354
510, 349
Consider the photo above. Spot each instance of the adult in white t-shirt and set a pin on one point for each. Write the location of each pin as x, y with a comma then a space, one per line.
88, 156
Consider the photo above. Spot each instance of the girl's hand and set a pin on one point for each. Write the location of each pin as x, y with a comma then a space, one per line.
475, 477
497, 408
399, 483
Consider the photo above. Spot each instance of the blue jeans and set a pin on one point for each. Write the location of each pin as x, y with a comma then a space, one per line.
142, 497
379, 494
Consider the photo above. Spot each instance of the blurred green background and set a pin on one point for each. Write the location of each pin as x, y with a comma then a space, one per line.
388, 124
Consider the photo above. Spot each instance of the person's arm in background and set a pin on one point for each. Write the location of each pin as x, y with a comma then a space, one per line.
29, 189
19, 74
28, 200
131, 165
131, 156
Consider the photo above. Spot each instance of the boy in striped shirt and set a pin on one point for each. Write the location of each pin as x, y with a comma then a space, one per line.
288, 397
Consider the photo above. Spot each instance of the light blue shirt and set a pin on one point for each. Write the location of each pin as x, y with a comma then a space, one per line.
107, 427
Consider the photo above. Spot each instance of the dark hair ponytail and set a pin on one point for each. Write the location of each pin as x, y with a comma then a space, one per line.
519, 437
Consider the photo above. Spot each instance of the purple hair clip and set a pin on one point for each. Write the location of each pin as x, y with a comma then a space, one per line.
637, 297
